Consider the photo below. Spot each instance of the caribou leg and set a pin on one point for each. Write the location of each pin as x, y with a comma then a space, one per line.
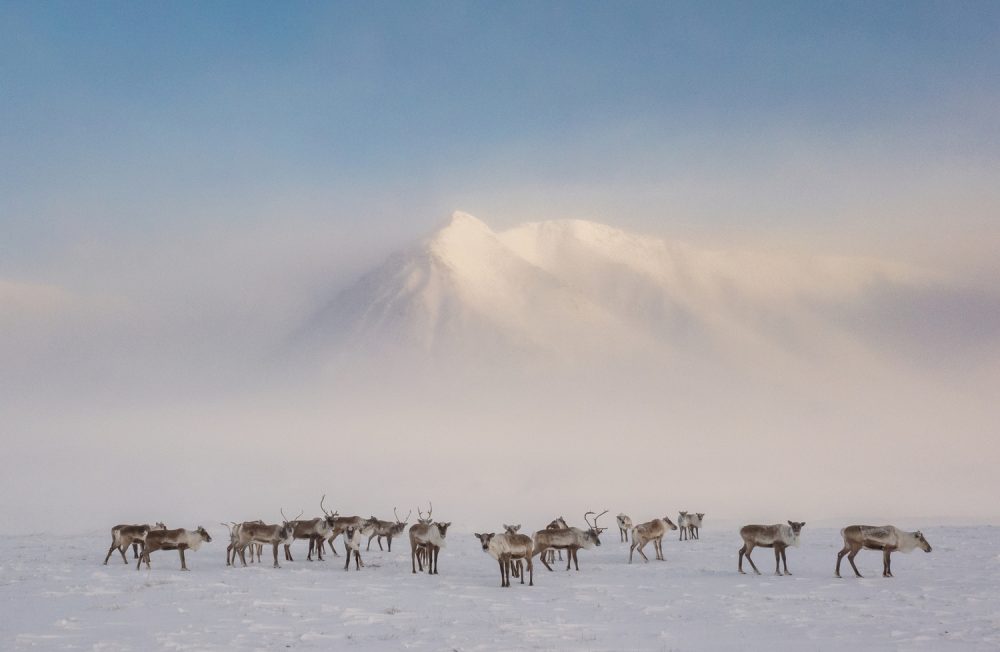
850, 558
840, 555
541, 555
887, 562
745, 551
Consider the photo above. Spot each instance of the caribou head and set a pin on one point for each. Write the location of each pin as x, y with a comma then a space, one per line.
594, 532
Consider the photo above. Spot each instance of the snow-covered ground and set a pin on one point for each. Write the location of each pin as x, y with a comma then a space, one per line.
56, 594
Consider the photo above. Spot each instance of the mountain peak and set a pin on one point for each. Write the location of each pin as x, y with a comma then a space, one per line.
460, 221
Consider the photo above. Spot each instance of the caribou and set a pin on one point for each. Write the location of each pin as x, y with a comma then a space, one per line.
314, 529
624, 526
778, 536
123, 536
338, 525
650, 531
690, 524
353, 536
507, 548
386, 529
570, 539
428, 537
555, 524
887, 538
518, 567
260, 533
233, 528
179, 540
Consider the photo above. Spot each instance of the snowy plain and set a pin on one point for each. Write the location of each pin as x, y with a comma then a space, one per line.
56, 594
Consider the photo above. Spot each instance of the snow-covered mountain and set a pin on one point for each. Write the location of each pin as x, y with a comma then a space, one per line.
571, 288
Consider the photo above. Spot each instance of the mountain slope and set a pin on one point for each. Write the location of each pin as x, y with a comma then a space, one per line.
572, 289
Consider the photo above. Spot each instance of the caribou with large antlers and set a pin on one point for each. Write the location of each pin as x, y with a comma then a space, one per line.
123, 536
569, 539
387, 529
887, 538
314, 529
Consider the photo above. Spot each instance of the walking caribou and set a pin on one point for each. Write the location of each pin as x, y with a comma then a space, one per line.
650, 531
123, 536
778, 536
887, 538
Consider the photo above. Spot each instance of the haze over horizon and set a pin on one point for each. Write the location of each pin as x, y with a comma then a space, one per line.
519, 260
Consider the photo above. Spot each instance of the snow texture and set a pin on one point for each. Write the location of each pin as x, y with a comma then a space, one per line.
56, 595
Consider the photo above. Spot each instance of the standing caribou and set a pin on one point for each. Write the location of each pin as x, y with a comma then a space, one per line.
179, 540
624, 526
427, 537
887, 538
314, 529
337, 526
690, 524
386, 529
570, 539
123, 536
555, 524
506, 548
233, 528
353, 537
650, 531
248, 534
778, 536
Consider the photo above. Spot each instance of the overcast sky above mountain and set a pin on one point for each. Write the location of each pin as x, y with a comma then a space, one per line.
707, 241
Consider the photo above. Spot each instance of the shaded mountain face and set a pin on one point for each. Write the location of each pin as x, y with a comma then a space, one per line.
573, 291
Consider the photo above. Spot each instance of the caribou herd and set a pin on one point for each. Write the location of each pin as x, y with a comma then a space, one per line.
512, 550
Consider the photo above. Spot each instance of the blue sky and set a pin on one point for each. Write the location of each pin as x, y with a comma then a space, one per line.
139, 118
183, 186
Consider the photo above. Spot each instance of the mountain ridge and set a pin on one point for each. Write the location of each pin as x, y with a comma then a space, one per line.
573, 288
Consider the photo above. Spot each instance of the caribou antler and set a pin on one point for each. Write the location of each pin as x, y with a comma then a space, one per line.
321, 505
596, 516
289, 520
396, 514
428, 517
